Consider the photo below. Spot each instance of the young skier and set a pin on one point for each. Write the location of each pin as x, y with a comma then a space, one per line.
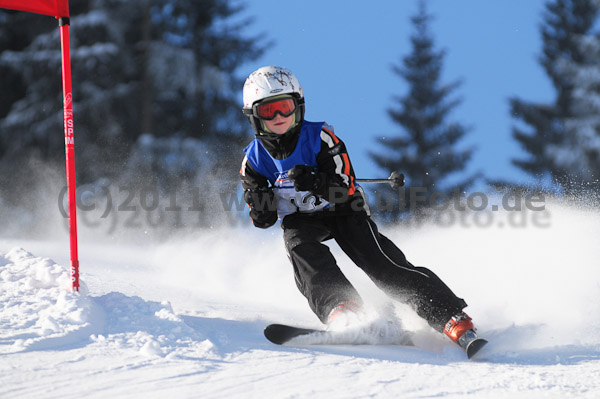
299, 171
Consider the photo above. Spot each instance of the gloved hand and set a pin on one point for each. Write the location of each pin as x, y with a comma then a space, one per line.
263, 208
305, 178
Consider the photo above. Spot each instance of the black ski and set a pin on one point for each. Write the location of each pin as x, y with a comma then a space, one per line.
364, 335
281, 333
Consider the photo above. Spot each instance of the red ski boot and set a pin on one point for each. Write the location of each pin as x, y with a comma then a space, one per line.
457, 326
460, 329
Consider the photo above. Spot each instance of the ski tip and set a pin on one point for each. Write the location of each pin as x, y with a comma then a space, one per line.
475, 346
273, 332
280, 333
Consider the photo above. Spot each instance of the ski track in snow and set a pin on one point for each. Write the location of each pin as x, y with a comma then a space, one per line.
185, 318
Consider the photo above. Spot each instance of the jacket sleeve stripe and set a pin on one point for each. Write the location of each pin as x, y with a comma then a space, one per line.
243, 168
342, 162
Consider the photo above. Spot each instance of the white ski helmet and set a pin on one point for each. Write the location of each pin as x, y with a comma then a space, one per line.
271, 81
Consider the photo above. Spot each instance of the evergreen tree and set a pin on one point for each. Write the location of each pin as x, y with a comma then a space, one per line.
31, 107
562, 142
579, 152
425, 152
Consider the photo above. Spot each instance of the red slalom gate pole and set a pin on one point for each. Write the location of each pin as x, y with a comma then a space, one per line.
60, 9
63, 23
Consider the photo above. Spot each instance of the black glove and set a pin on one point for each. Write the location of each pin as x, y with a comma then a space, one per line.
305, 178
263, 209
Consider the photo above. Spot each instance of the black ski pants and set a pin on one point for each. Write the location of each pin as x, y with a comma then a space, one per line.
324, 285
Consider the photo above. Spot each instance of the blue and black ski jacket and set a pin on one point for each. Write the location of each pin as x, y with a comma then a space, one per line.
268, 161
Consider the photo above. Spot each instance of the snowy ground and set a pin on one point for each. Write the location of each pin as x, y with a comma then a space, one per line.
184, 318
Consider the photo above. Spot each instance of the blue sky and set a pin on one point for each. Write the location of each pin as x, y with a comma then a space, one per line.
343, 52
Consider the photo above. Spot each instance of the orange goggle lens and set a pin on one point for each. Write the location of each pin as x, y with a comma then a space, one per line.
268, 111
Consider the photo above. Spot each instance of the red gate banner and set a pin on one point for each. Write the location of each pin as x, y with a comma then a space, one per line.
53, 8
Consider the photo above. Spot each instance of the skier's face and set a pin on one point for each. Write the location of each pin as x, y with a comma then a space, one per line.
280, 124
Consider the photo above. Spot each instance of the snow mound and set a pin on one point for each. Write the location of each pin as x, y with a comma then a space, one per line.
38, 309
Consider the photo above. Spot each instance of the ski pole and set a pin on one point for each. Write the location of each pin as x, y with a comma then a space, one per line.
396, 180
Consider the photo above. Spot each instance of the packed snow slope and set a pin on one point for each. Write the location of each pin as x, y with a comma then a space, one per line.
184, 318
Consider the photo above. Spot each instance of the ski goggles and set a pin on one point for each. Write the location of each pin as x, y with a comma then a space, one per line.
268, 110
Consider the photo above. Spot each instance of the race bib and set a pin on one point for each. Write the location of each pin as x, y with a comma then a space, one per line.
289, 200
